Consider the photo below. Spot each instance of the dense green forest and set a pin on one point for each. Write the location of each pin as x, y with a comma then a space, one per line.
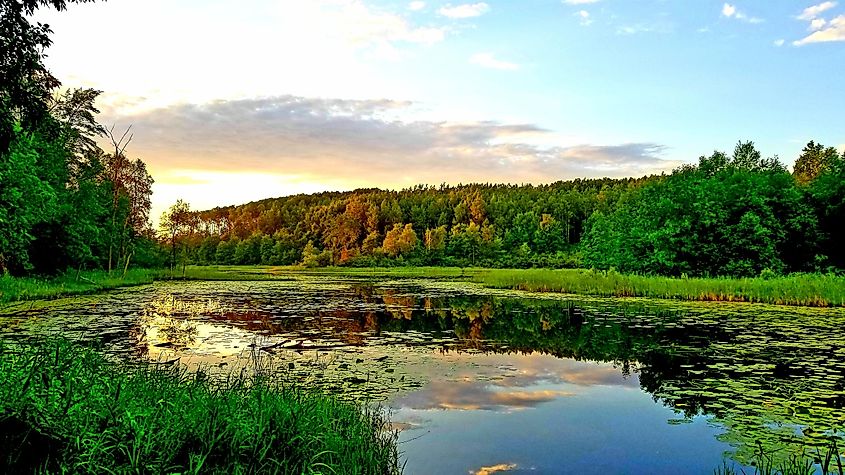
728, 215
64, 202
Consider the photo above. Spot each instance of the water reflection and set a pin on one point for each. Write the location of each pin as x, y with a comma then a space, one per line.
509, 382
502, 467
767, 375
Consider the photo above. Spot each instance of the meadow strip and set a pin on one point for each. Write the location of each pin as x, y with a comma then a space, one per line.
13, 289
811, 290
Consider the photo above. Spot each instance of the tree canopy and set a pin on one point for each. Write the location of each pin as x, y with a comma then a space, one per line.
64, 202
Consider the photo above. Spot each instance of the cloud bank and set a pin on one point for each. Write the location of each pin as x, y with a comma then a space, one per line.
362, 143
822, 30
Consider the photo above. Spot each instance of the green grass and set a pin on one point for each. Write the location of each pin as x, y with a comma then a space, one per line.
813, 290
66, 409
29, 288
278, 272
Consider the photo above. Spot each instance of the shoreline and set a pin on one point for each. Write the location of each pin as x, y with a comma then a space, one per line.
798, 290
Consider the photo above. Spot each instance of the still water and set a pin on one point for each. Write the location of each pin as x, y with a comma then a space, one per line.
481, 381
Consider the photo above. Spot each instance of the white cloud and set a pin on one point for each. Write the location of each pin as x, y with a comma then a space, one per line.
822, 30
585, 17
814, 11
579, 2
466, 10
416, 6
633, 29
834, 31
487, 60
817, 24
779, 43
730, 11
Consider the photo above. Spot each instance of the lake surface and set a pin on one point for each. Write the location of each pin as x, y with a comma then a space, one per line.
482, 381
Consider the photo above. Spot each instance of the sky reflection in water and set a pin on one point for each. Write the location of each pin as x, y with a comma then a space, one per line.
541, 414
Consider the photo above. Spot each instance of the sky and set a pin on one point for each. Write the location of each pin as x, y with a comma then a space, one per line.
234, 101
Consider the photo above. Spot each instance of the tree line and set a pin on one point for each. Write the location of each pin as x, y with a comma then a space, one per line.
64, 201
728, 215
479, 224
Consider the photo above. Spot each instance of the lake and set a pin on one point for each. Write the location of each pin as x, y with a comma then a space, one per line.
484, 381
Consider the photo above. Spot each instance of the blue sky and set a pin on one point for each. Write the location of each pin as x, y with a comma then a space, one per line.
231, 103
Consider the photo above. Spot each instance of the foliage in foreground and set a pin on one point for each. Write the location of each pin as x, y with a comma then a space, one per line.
64, 408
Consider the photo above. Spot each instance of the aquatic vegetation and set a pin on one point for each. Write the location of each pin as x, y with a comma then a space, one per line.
827, 461
812, 290
171, 305
66, 408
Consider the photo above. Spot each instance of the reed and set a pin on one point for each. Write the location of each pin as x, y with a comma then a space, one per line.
812, 290
66, 409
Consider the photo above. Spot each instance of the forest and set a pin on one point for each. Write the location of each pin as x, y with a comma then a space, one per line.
65, 203
733, 214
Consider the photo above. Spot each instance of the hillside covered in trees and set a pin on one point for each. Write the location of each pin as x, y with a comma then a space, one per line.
736, 215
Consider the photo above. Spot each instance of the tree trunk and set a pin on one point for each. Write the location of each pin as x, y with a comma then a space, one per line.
126, 266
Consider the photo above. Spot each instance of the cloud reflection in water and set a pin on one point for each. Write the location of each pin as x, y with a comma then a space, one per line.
511, 382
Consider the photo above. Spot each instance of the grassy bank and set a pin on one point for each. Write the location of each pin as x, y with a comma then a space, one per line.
29, 288
66, 409
814, 290
281, 272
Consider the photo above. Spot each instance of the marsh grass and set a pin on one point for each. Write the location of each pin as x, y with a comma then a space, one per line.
212, 273
812, 290
65, 408
237, 273
827, 461
71, 283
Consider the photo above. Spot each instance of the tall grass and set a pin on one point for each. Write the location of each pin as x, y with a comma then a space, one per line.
71, 283
66, 409
236, 273
815, 290
826, 460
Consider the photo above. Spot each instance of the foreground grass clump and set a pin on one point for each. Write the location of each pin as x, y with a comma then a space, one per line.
72, 283
64, 408
813, 290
